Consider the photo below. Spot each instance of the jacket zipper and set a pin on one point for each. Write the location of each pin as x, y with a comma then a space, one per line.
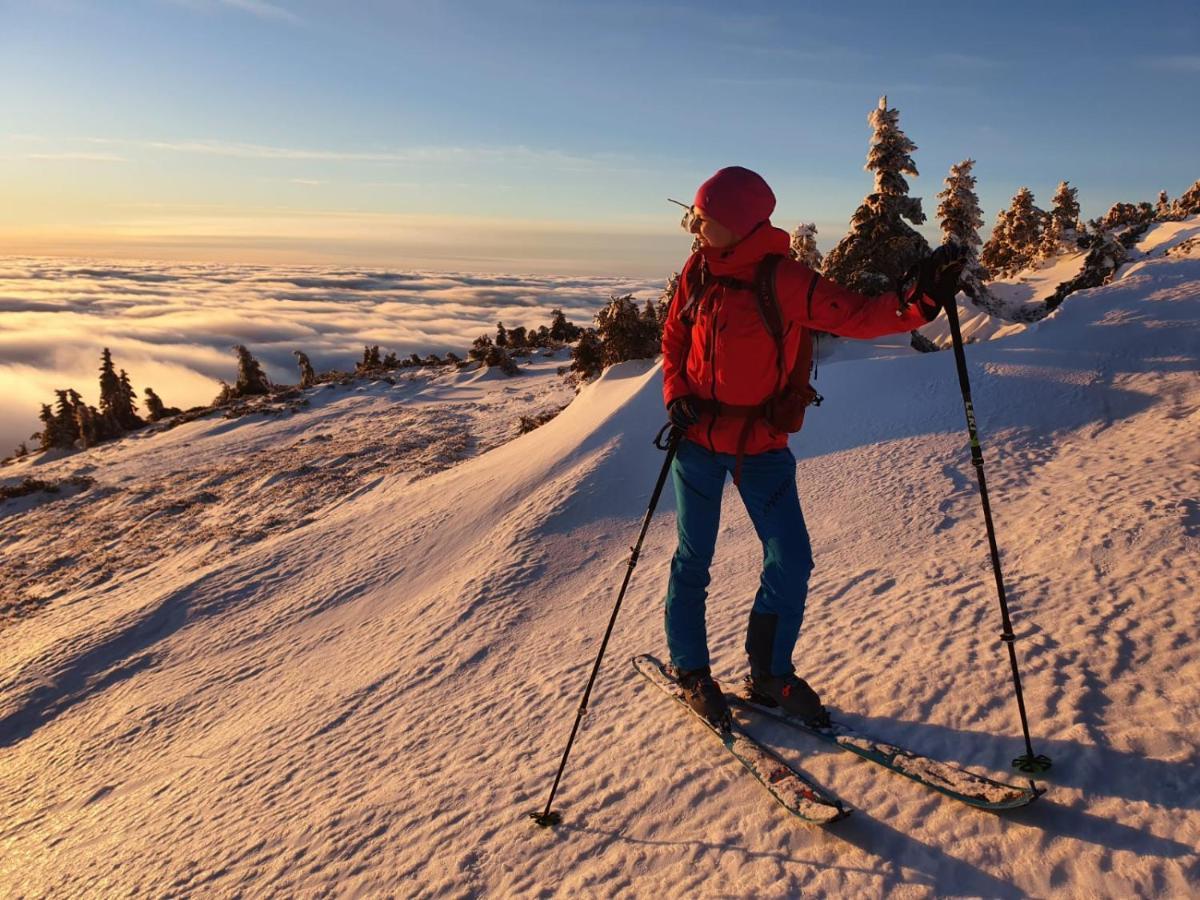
712, 364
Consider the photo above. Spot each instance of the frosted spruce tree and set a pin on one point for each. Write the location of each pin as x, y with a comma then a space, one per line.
961, 219
110, 396
1017, 237
1066, 208
1162, 209
804, 246
881, 245
128, 408
1189, 203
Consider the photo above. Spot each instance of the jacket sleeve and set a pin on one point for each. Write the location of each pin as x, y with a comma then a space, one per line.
675, 343
820, 304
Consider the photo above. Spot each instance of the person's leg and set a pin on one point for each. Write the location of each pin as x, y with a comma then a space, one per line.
768, 490
698, 479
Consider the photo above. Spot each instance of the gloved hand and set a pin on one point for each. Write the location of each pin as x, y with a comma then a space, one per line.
683, 412
937, 279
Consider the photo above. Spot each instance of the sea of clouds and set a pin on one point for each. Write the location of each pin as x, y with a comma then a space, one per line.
172, 326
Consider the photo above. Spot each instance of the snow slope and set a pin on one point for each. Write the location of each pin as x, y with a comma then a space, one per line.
367, 701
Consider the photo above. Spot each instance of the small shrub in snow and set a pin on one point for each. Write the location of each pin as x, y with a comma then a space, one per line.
156, 407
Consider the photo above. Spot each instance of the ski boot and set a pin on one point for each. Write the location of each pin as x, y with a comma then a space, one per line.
703, 694
790, 693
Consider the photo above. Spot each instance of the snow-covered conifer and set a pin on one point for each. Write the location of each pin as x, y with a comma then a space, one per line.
804, 246
501, 335
87, 425
1189, 203
110, 394
49, 433
587, 357
308, 376
1054, 239
1162, 209
251, 378
881, 245
1066, 208
128, 409
1017, 237
518, 337
624, 332
961, 219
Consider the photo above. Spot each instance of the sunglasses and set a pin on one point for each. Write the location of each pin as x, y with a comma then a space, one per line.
691, 216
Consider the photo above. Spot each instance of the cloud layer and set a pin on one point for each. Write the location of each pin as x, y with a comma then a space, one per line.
172, 326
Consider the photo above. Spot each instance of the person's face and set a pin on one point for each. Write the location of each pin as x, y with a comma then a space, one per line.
711, 232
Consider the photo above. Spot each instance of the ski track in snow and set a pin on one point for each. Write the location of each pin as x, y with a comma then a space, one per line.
341, 678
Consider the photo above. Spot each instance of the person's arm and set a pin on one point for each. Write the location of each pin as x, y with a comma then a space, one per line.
815, 301
675, 342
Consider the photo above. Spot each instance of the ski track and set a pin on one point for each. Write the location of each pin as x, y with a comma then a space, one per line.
368, 705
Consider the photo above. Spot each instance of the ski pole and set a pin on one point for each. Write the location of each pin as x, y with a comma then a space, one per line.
1029, 762
547, 817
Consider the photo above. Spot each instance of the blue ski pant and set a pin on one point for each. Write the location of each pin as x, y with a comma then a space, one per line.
768, 490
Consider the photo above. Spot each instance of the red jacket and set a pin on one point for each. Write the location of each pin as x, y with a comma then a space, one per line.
731, 357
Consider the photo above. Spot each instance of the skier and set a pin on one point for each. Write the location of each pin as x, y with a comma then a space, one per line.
721, 366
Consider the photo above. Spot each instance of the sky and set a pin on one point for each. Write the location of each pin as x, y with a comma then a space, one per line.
546, 136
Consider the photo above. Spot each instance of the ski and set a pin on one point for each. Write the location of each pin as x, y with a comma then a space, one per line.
796, 793
962, 785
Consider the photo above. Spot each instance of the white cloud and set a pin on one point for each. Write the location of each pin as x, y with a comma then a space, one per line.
171, 326
76, 157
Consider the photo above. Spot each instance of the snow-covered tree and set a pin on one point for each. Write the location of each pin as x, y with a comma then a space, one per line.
1066, 208
110, 394
87, 425
881, 245
251, 378
804, 246
587, 357
1162, 209
1189, 203
1017, 237
128, 408
308, 376
1054, 239
1120, 215
501, 335
961, 219
625, 333
665, 298
561, 330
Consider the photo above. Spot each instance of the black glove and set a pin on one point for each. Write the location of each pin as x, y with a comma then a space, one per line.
937, 277
683, 413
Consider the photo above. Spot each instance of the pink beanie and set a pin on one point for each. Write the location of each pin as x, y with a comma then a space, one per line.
737, 198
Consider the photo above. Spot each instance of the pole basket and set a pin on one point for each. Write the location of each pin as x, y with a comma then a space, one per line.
545, 819
1027, 762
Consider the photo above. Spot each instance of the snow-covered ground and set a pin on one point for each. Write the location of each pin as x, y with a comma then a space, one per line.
366, 699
